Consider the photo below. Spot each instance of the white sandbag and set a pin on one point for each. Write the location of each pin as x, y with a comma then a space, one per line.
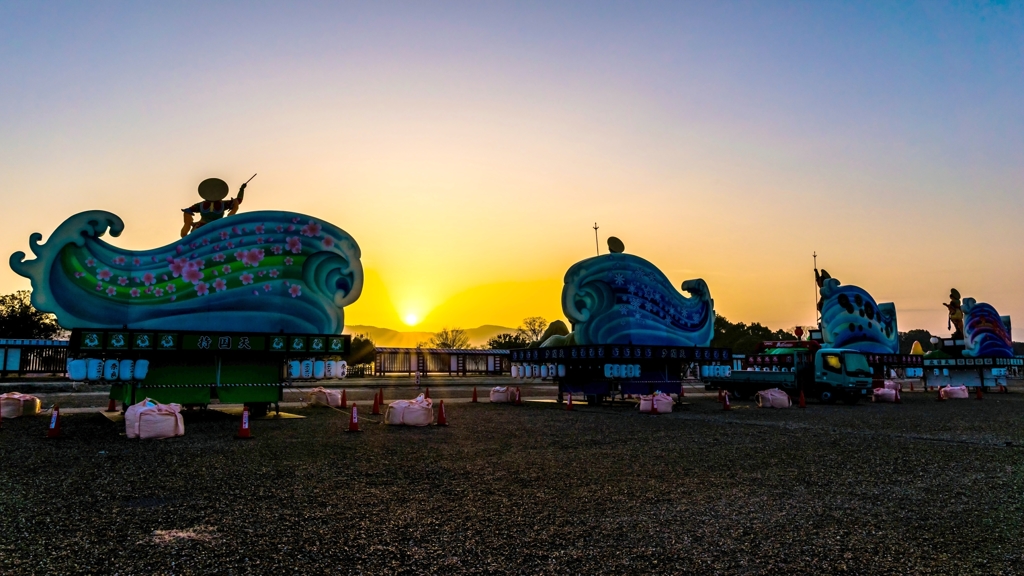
890, 385
78, 370
127, 369
319, 368
954, 392
659, 399
141, 369
95, 369
417, 412
14, 405
151, 420
294, 370
502, 394
324, 397
773, 398
110, 369
883, 395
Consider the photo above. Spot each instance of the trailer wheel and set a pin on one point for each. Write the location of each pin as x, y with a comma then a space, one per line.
828, 397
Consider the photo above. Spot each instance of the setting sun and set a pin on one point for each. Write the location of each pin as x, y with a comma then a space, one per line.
411, 319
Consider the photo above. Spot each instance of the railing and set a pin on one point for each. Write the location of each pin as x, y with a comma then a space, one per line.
22, 357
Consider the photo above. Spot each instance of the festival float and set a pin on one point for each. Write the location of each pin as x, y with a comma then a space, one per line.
632, 331
979, 351
235, 309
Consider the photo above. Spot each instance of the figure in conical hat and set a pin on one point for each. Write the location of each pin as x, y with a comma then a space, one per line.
956, 314
212, 191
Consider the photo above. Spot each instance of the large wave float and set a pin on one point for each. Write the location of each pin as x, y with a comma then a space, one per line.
986, 333
624, 299
263, 271
850, 318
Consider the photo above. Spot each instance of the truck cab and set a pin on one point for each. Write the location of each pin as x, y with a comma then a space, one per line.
841, 374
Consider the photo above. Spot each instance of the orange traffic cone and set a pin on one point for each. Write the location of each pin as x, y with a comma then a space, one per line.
569, 405
426, 393
243, 426
353, 421
978, 396
911, 385
726, 405
803, 401
54, 430
376, 406
682, 390
112, 405
344, 399
474, 395
442, 420
519, 397
381, 393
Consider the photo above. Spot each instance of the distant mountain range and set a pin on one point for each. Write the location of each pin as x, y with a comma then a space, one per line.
386, 337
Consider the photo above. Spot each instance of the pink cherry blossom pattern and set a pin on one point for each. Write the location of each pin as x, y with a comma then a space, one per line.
295, 219
206, 241
173, 298
202, 288
103, 274
158, 292
258, 229
276, 249
255, 292
260, 273
179, 249
266, 287
111, 291
219, 284
178, 266
218, 257
192, 274
253, 257
122, 281
273, 273
224, 234
134, 292
234, 230
288, 261
327, 242
294, 244
79, 274
259, 239
312, 229
90, 262
229, 245
163, 277
171, 288
99, 286
246, 278
119, 260
148, 278
226, 269
295, 290
290, 228
279, 228
136, 261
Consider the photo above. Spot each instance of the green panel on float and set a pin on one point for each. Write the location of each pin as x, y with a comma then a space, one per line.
248, 394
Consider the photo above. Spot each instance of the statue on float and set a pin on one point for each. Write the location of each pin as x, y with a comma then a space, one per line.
265, 271
850, 318
618, 298
956, 314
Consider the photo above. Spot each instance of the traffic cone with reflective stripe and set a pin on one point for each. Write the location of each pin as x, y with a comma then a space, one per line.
725, 405
112, 405
442, 420
243, 426
569, 405
344, 399
353, 421
376, 406
519, 397
474, 395
54, 430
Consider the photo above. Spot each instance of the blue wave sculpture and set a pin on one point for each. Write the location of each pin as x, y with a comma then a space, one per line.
850, 318
264, 271
623, 299
986, 333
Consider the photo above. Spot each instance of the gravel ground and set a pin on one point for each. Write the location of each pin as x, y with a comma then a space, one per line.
922, 488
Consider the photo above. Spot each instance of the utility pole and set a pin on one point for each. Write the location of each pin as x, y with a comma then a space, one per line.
817, 313
597, 246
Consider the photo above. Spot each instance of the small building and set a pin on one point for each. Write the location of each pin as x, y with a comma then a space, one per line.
450, 361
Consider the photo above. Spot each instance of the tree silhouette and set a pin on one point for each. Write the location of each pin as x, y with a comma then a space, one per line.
450, 338
19, 319
508, 341
532, 328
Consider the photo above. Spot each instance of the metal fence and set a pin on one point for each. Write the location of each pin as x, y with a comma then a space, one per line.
20, 358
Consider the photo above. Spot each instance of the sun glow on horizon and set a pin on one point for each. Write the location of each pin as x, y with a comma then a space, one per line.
411, 319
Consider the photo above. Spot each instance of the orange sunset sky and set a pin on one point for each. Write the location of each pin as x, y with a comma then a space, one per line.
470, 148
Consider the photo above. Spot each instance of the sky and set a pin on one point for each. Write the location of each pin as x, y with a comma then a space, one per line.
470, 147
